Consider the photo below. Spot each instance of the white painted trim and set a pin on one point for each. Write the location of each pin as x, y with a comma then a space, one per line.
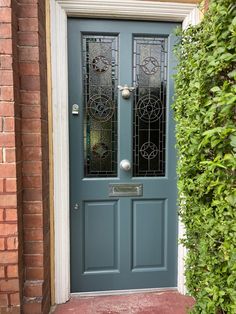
181, 255
60, 9
130, 9
60, 152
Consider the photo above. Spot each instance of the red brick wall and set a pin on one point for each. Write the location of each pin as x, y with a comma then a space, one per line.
24, 155
11, 270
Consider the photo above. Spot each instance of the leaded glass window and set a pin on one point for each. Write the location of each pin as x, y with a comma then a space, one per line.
100, 73
149, 108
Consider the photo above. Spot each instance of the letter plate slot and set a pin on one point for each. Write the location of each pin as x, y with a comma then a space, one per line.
125, 189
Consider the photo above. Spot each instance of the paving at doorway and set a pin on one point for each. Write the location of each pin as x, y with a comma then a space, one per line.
170, 302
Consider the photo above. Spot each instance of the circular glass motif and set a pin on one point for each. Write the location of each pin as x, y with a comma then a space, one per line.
148, 150
100, 107
149, 108
150, 65
100, 64
100, 150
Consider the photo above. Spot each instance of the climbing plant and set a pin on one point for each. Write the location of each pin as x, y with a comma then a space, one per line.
205, 113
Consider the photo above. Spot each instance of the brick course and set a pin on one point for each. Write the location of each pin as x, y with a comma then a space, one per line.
24, 195
33, 102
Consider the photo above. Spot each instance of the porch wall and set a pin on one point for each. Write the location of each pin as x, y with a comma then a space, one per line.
35, 173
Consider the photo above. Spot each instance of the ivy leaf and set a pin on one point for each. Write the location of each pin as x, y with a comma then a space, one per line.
233, 140
227, 56
215, 89
232, 74
234, 21
231, 199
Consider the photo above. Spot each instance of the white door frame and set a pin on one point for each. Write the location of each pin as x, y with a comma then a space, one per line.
60, 10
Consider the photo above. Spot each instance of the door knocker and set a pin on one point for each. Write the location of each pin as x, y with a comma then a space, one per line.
126, 90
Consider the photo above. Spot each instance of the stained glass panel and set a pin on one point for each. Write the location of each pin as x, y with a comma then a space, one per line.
100, 73
149, 108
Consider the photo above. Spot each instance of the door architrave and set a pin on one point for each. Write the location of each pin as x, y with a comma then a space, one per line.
188, 14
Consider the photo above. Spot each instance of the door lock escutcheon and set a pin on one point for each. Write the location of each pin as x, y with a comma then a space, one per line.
76, 206
75, 109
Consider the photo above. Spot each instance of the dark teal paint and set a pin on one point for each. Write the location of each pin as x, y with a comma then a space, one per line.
120, 243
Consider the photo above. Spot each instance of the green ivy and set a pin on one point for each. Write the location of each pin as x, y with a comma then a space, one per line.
205, 112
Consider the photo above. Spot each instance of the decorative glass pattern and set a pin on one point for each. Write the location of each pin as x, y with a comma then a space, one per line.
149, 108
100, 74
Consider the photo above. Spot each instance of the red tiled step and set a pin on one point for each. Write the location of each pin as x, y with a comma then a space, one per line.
166, 302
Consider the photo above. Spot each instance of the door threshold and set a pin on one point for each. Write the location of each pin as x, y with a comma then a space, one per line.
120, 292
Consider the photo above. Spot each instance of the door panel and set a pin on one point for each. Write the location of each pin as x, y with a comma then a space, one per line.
149, 235
100, 236
125, 241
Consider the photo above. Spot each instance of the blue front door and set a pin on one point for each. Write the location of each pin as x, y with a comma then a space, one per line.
122, 155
